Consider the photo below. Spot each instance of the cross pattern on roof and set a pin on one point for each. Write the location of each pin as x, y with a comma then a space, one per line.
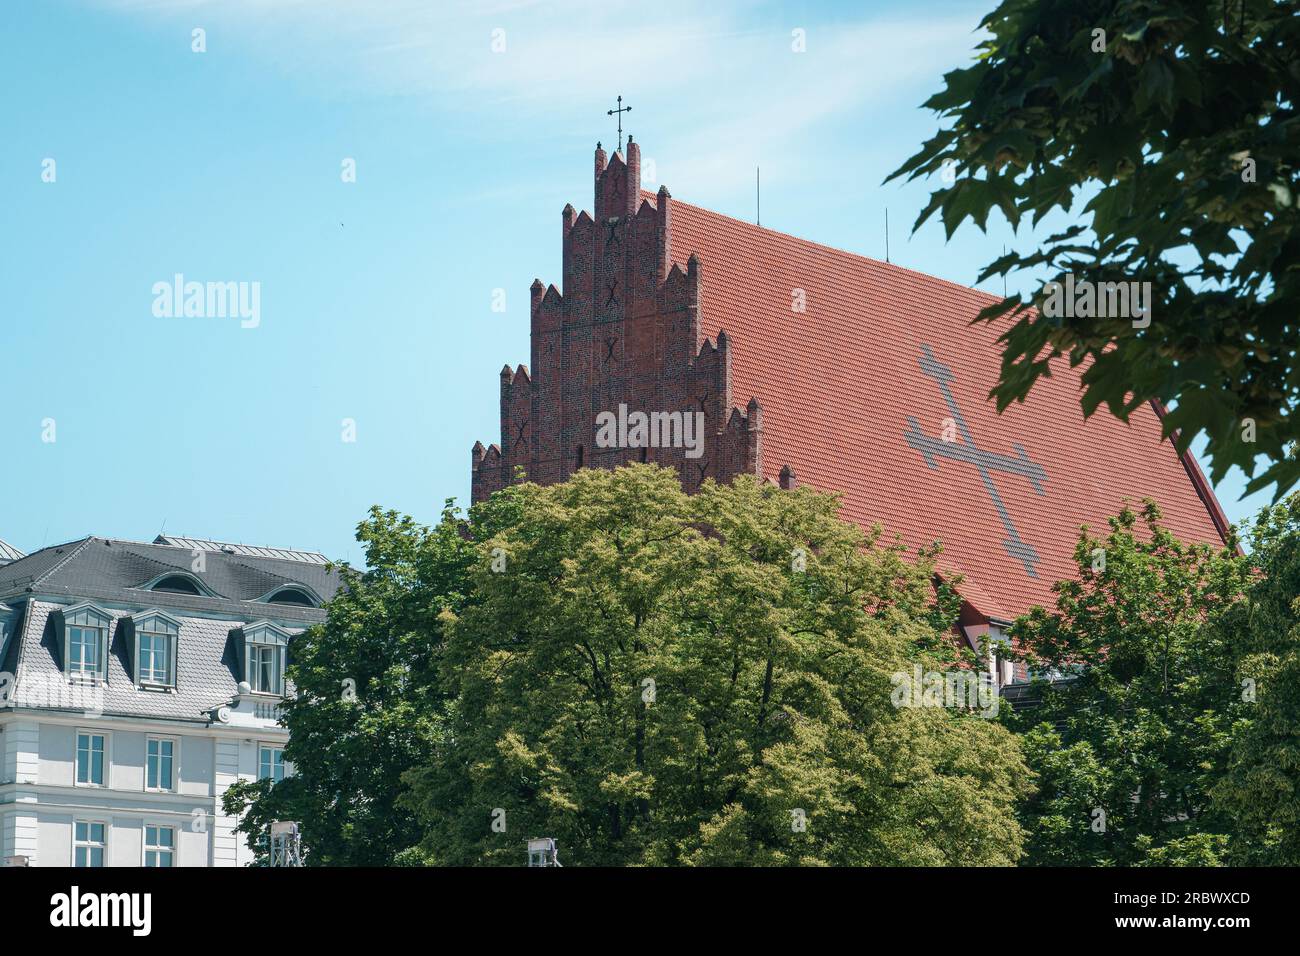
986, 462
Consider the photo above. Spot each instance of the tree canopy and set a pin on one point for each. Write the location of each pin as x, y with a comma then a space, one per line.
1174, 123
657, 678
1136, 728
366, 703
1171, 733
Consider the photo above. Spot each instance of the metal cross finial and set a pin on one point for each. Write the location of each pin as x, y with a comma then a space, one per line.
619, 112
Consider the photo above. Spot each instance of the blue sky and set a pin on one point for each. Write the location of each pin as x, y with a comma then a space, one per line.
376, 296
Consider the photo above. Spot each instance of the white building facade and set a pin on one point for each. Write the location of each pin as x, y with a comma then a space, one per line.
138, 683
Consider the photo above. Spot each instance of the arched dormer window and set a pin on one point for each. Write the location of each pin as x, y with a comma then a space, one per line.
265, 645
177, 584
157, 646
84, 641
293, 594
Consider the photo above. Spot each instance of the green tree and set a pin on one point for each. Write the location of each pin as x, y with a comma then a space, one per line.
366, 704
1261, 789
657, 678
1175, 122
1130, 740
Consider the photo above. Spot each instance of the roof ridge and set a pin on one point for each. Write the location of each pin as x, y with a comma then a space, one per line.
81, 546
836, 249
168, 541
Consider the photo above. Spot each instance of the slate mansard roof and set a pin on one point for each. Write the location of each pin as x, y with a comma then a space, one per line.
114, 576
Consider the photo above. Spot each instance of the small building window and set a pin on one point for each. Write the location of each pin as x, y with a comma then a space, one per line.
90, 759
578, 459
264, 658
88, 843
159, 845
270, 763
155, 659
264, 668
83, 650
294, 596
160, 764
177, 584
157, 637
85, 642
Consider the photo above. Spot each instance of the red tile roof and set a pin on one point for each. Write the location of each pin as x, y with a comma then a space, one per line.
839, 382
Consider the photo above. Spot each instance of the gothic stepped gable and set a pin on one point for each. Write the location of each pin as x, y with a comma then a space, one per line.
877, 390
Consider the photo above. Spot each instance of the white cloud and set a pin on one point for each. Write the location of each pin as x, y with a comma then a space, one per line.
711, 82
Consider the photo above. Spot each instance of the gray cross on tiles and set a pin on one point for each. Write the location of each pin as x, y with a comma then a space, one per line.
986, 462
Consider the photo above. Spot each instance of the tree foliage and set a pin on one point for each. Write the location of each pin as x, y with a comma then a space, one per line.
1175, 122
367, 703
1130, 739
657, 678
1261, 789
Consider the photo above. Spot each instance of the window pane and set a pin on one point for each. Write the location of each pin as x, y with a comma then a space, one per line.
96, 856
81, 832
97, 766
154, 651
97, 832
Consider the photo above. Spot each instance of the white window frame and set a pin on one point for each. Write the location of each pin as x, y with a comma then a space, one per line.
89, 844
76, 757
156, 643
175, 758
86, 617
146, 846
274, 748
156, 624
78, 670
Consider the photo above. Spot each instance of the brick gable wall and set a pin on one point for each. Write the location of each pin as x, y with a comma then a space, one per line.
625, 330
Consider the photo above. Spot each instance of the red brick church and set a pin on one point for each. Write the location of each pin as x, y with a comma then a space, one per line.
816, 366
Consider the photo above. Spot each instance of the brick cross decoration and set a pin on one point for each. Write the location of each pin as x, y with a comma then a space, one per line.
986, 462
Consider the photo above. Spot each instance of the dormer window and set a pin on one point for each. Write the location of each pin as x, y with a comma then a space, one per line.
177, 584
157, 638
264, 657
84, 648
296, 596
85, 642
